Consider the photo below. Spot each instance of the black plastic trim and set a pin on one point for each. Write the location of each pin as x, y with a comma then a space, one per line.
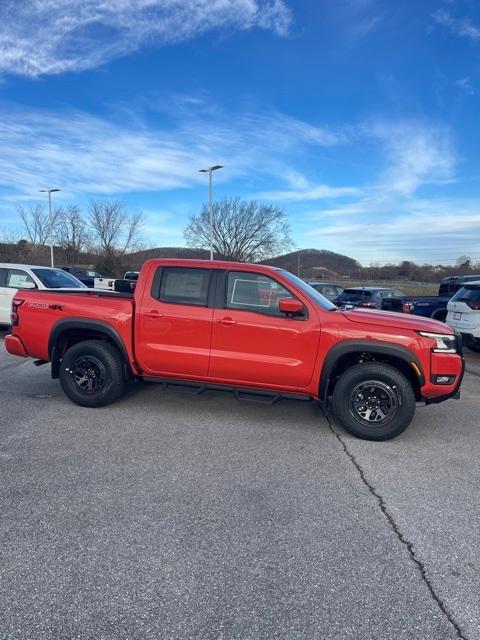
356, 346
196, 387
97, 326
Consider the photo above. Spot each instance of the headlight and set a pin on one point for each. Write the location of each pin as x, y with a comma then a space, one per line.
445, 343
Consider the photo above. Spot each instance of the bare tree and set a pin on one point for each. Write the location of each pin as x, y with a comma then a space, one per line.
8, 236
114, 232
71, 232
244, 231
36, 223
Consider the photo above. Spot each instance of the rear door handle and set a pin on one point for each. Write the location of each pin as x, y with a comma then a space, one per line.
154, 314
227, 321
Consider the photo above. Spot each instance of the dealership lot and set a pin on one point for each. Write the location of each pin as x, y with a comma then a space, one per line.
175, 516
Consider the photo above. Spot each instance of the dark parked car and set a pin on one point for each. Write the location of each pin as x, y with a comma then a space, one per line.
87, 276
371, 298
328, 289
436, 306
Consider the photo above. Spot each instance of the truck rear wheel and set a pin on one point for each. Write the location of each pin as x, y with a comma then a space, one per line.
374, 401
92, 373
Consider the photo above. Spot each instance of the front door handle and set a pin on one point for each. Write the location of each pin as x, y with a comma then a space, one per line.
227, 321
154, 314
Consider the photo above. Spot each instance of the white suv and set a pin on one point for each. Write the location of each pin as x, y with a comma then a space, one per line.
464, 314
21, 276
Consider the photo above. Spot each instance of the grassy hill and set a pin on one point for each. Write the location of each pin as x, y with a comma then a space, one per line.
315, 263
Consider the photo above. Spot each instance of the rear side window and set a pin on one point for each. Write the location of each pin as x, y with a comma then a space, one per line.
469, 295
357, 293
255, 292
448, 288
16, 277
184, 285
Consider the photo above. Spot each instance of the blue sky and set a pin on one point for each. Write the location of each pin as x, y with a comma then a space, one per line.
359, 117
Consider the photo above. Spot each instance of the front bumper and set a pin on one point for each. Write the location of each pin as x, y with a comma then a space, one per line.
455, 392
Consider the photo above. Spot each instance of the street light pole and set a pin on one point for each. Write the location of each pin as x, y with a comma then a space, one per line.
50, 220
210, 171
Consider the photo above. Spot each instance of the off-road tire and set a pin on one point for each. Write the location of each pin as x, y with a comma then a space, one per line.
394, 382
106, 360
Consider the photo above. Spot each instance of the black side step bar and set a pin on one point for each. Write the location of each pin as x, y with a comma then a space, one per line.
246, 394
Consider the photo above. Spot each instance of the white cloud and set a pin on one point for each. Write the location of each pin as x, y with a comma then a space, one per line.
40, 37
432, 231
465, 85
462, 27
309, 192
93, 155
416, 154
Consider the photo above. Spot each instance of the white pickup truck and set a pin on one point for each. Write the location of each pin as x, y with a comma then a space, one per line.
113, 284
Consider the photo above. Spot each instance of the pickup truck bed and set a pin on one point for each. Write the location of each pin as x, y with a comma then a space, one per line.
243, 327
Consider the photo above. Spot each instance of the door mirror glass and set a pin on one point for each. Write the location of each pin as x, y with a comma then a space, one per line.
291, 306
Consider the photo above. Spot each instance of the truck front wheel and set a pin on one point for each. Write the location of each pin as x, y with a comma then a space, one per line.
374, 401
92, 373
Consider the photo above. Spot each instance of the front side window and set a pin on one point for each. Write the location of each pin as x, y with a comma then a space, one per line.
255, 292
183, 285
16, 278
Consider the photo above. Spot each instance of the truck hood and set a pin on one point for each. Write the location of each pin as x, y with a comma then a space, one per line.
396, 320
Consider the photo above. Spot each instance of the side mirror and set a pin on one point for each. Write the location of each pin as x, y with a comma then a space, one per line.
291, 306
28, 285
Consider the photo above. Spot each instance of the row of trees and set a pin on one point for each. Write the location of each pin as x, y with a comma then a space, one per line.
106, 230
245, 231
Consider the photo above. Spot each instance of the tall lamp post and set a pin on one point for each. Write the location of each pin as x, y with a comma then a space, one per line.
210, 171
50, 220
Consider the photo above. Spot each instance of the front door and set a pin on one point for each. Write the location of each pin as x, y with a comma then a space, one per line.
253, 342
175, 323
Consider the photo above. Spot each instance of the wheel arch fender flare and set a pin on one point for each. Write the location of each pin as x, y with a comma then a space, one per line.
350, 347
93, 329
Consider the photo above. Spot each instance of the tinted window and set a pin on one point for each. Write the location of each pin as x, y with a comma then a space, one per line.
185, 286
326, 290
16, 277
356, 293
57, 279
255, 292
467, 294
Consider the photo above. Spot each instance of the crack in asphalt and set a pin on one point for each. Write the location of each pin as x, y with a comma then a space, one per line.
391, 520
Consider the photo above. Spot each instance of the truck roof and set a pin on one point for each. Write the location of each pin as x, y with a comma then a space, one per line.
215, 264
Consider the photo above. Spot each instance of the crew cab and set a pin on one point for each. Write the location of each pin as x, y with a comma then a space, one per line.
254, 329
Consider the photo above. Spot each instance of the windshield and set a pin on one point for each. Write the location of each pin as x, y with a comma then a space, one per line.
312, 293
57, 279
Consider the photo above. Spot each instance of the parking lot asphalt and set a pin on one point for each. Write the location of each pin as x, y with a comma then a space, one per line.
178, 517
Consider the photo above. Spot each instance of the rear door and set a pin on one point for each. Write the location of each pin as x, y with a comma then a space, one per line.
253, 342
10, 282
5, 302
174, 323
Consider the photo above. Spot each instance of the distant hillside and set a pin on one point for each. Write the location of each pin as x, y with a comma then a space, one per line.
135, 260
315, 263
